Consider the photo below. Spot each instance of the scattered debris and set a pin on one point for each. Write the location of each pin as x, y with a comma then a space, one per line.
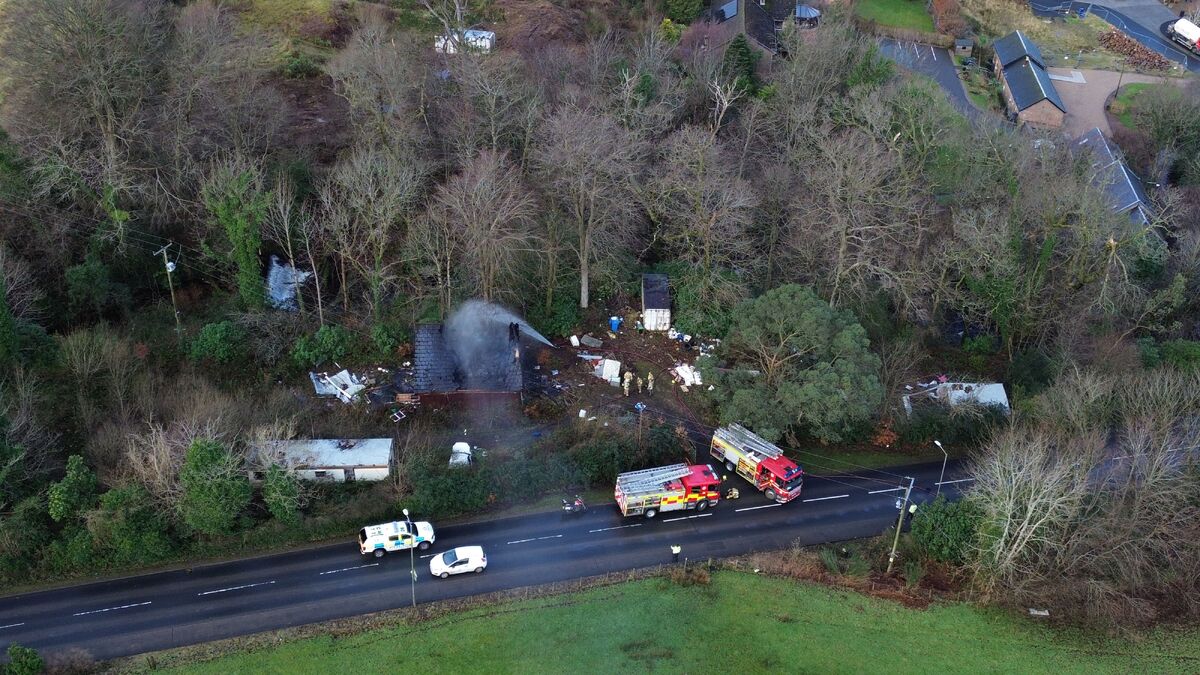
589, 341
1039, 612
574, 340
609, 371
343, 384
688, 375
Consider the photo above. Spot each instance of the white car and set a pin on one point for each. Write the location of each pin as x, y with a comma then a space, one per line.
457, 561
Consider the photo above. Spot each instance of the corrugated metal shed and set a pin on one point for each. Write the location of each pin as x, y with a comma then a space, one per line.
1112, 174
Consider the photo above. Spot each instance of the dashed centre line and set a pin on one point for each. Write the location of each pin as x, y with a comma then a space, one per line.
821, 499
875, 492
347, 569
619, 527
752, 508
111, 609
12, 625
237, 588
699, 515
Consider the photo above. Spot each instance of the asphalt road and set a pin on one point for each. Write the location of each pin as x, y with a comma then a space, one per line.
170, 609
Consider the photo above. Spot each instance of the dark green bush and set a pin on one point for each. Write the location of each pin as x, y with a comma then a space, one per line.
1181, 354
298, 65
223, 342
1149, 352
1031, 370
129, 529
683, 11
329, 344
23, 661
946, 530
562, 318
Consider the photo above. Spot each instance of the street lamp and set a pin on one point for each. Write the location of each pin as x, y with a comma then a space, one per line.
945, 457
412, 560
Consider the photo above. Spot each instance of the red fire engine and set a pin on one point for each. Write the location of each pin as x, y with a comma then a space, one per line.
667, 488
758, 461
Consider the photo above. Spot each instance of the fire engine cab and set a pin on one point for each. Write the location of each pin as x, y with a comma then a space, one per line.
667, 488
758, 461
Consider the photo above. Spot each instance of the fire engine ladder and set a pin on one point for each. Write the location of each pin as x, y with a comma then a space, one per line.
636, 483
742, 438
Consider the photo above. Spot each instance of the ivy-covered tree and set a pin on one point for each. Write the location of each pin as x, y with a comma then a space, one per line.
129, 529
237, 201
215, 490
684, 11
946, 530
75, 492
795, 363
23, 661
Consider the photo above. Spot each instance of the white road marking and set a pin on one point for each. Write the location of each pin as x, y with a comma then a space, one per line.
347, 569
752, 508
701, 515
422, 557
931, 51
553, 536
522, 541
109, 609
875, 492
237, 588
12, 625
960, 480
821, 499
621, 527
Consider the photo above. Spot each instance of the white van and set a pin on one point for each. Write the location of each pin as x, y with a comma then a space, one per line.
399, 535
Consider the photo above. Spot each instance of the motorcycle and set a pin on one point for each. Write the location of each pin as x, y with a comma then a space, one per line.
575, 506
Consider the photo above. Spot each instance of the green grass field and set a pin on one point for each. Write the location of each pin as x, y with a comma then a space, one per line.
908, 14
739, 623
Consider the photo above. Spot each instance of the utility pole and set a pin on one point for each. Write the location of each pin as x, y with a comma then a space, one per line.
170, 267
903, 504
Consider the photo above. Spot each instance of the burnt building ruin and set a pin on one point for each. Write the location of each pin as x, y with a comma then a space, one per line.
487, 357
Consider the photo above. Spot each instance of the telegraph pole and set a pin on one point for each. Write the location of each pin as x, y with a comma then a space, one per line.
903, 504
170, 267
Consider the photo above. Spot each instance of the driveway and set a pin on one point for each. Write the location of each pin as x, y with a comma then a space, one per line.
1085, 100
934, 62
1141, 20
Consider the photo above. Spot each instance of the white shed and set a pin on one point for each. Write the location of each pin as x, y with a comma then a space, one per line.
656, 302
473, 40
957, 393
330, 459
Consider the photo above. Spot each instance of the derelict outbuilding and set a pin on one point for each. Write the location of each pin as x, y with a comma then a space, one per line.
656, 302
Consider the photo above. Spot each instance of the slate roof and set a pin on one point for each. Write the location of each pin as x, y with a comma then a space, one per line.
1014, 47
656, 291
761, 20
1030, 83
1112, 174
434, 364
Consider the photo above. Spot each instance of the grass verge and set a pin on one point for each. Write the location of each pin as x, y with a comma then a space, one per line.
654, 625
908, 14
1125, 102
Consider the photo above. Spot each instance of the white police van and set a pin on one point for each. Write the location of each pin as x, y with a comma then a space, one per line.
399, 535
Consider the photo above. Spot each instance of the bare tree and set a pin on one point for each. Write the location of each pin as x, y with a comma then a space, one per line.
700, 207
589, 163
494, 109
214, 92
79, 75
495, 213
858, 219
21, 293
367, 204
379, 73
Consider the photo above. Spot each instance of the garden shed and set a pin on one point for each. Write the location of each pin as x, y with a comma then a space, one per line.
656, 302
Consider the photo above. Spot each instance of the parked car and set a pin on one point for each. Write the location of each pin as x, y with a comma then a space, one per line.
457, 561
395, 536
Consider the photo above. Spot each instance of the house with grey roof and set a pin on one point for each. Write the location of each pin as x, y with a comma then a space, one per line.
1029, 93
762, 21
1111, 174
